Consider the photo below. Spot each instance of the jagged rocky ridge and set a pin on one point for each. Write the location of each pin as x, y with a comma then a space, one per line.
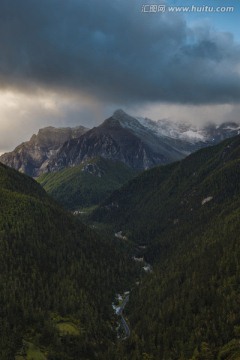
122, 138
32, 157
140, 143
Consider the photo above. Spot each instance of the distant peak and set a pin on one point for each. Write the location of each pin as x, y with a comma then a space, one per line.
120, 119
123, 117
119, 113
117, 120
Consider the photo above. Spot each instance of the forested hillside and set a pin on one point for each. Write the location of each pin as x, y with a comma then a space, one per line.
183, 192
57, 279
86, 184
187, 215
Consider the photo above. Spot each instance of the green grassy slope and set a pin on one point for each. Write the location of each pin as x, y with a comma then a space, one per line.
188, 215
52, 267
87, 184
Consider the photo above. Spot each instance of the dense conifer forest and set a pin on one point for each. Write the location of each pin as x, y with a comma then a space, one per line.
187, 216
58, 278
87, 184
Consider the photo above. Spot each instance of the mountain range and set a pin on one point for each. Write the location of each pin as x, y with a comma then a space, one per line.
140, 143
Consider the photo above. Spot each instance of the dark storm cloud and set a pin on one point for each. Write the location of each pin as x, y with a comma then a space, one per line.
110, 50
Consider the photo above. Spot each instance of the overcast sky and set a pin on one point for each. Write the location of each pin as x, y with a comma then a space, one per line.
70, 62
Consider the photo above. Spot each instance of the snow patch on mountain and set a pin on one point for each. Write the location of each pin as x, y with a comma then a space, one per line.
174, 130
189, 132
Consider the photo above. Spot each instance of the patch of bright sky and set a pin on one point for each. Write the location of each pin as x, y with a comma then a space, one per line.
226, 21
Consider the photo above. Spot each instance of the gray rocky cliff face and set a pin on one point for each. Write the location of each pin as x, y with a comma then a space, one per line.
32, 157
111, 140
